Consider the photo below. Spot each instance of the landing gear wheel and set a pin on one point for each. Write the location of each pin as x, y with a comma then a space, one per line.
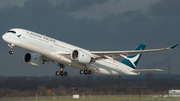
57, 73
89, 72
65, 73
81, 72
11, 52
61, 73
85, 72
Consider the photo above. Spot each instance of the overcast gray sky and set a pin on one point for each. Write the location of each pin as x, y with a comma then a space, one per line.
93, 25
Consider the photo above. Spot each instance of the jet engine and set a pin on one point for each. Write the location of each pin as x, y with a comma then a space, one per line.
33, 59
80, 56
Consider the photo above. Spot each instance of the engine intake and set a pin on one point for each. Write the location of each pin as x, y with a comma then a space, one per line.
81, 56
33, 59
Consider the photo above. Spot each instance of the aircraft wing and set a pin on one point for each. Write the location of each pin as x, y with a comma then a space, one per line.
124, 54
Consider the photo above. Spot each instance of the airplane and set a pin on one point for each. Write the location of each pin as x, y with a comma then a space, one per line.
45, 49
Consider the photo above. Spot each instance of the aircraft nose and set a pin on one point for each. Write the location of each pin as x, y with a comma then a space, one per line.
5, 37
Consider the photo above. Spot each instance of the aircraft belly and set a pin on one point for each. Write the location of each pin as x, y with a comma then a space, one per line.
106, 69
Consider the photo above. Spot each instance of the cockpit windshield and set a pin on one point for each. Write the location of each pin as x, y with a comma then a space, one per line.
12, 31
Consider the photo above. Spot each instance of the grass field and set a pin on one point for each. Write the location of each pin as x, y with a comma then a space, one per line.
103, 99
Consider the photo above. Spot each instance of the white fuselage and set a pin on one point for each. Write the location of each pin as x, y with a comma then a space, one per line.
51, 48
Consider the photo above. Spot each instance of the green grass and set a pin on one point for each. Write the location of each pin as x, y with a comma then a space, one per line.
101, 99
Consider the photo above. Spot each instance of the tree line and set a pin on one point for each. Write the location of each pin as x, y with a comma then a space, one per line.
86, 85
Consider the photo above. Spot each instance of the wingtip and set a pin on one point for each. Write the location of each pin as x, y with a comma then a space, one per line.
172, 47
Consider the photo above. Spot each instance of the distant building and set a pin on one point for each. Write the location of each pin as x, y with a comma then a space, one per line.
174, 93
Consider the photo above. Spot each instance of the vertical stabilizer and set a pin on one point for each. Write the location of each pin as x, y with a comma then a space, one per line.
133, 60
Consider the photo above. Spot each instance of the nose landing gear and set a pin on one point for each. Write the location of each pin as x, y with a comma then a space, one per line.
11, 46
11, 52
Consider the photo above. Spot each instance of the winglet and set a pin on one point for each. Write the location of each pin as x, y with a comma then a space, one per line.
172, 47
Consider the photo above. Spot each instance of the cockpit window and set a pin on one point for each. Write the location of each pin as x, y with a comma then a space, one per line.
12, 32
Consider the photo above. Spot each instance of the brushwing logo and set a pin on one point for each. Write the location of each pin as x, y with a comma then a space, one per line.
19, 36
132, 61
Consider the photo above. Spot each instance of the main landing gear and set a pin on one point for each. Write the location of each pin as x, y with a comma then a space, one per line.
11, 46
61, 72
85, 71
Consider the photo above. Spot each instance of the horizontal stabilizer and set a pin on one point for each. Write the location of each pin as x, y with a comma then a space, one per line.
147, 70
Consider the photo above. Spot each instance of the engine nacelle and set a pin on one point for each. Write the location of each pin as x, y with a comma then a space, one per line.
80, 56
33, 59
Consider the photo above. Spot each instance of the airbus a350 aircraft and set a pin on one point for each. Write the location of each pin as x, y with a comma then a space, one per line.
46, 49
